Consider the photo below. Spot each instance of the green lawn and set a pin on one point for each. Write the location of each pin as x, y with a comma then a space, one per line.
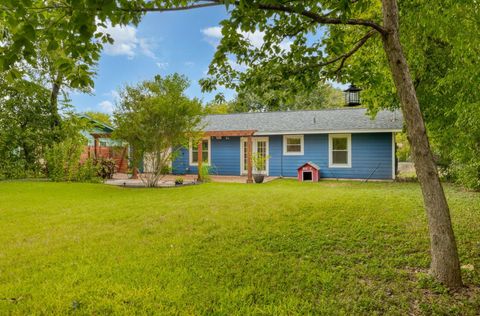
277, 248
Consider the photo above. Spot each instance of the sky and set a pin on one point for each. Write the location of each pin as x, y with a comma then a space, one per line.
163, 43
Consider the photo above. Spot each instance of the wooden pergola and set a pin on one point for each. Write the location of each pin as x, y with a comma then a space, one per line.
238, 133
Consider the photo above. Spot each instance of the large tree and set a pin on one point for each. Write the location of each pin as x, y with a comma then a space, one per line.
442, 49
318, 50
58, 49
156, 118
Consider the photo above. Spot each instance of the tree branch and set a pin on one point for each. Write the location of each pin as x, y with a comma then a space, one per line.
138, 9
193, 6
321, 19
359, 44
347, 55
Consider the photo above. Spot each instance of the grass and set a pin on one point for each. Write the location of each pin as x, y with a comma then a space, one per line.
228, 249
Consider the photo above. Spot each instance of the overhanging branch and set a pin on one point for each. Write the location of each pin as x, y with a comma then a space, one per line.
342, 58
321, 19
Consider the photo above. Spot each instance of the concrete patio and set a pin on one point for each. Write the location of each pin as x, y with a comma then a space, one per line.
124, 180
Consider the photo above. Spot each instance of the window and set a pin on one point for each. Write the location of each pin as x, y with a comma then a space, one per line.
293, 144
205, 152
340, 150
103, 143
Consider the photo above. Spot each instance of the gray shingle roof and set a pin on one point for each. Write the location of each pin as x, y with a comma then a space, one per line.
331, 120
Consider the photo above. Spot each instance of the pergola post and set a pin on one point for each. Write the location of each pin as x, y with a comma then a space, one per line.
249, 159
200, 160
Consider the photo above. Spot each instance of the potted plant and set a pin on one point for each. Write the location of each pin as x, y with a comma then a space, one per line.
179, 181
259, 162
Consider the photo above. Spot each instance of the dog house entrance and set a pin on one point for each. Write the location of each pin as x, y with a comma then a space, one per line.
307, 176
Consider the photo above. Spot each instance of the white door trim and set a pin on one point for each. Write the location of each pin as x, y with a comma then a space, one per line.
243, 170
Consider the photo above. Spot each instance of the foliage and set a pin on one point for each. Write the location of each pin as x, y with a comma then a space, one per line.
106, 168
63, 161
205, 173
24, 128
218, 108
441, 49
261, 99
155, 117
259, 161
101, 117
230, 249
178, 180
403, 147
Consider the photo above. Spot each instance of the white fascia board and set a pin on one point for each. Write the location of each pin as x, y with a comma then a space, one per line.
377, 130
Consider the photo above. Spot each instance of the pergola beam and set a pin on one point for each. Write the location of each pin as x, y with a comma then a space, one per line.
232, 133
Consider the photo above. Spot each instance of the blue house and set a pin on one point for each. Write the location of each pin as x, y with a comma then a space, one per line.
345, 143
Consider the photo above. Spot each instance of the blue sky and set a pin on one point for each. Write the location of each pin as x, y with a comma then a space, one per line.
162, 43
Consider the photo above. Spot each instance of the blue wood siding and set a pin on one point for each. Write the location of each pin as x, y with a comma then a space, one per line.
225, 156
371, 157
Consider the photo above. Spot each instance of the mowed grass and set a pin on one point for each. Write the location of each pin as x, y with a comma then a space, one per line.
228, 249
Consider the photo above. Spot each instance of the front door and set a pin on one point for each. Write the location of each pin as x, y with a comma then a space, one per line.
260, 146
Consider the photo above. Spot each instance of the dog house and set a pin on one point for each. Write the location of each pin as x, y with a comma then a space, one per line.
309, 172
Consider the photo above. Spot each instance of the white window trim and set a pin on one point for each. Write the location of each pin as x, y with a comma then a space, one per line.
330, 150
190, 153
286, 153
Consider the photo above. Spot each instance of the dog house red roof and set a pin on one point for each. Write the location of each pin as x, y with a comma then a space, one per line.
308, 172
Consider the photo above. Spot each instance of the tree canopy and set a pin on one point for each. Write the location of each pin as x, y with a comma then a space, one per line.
156, 118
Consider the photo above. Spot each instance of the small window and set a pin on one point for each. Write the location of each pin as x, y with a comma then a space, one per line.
103, 143
205, 152
340, 151
293, 144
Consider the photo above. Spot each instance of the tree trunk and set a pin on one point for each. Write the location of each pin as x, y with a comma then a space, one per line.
55, 117
445, 265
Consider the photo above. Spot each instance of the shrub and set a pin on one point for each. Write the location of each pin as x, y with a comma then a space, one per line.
87, 172
63, 162
205, 173
106, 168
179, 180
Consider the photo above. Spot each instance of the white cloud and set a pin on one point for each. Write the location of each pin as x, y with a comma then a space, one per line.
113, 94
106, 106
146, 48
255, 38
189, 63
213, 31
126, 42
213, 35
162, 65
